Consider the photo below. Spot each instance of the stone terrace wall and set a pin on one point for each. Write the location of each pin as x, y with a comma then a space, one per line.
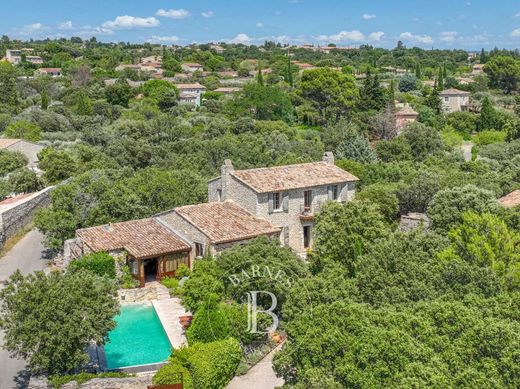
14, 218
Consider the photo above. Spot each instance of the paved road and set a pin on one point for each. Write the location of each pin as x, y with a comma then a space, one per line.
261, 376
28, 256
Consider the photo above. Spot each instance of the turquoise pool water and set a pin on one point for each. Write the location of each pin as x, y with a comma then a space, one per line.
138, 338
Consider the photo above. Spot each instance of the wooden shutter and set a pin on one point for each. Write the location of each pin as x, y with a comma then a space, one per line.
270, 202
329, 192
285, 202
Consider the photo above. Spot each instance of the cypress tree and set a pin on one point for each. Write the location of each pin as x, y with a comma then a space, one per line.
289, 72
260, 77
418, 71
45, 99
440, 80
483, 56
444, 72
487, 119
391, 93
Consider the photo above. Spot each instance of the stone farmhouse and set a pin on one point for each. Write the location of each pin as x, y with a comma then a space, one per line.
454, 100
404, 116
278, 202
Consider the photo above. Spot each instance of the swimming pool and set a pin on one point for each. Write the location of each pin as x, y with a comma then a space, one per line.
137, 339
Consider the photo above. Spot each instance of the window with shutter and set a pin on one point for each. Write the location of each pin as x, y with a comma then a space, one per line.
285, 202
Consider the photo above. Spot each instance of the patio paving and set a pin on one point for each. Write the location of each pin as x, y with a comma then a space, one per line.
169, 311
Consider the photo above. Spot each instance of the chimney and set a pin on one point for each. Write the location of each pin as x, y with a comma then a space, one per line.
225, 170
328, 157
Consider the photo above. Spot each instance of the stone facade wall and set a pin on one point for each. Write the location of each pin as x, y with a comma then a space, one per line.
14, 218
454, 103
186, 231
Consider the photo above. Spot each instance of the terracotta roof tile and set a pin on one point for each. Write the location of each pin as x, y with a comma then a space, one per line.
453, 92
190, 86
140, 238
305, 175
511, 200
225, 221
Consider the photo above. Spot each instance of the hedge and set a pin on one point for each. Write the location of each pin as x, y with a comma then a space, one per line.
211, 365
100, 263
169, 374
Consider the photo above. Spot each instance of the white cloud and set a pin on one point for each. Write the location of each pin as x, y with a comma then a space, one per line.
163, 39
208, 14
449, 36
65, 25
368, 16
241, 38
515, 33
376, 36
409, 37
259, 24
517, 15
33, 27
351, 36
130, 22
173, 13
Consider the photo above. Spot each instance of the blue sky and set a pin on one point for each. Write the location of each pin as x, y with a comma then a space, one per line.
468, 24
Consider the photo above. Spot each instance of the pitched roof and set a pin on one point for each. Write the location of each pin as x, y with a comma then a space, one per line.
192, 64
510, 200
5, 143
190, 86
225, 221
142, 238
305, 175
453, 92
406, 110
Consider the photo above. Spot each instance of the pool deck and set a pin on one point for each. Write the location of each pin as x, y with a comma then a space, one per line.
169, 311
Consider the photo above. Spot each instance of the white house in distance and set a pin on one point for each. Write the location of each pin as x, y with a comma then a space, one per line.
454, 100
15, 56
192, 67
53, 72
190, 93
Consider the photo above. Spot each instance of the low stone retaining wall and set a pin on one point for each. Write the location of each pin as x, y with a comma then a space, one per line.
15, 216
141, 382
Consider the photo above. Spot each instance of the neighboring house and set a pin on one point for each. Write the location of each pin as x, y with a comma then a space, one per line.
53, 72
29, 149
219, 49
34, 59
155, 59
152, 249
227, 90
404, 116
454, 100
478, 68
303, 66
190, 93
13, 56
192, 67
287, 196
511, 200
212, 227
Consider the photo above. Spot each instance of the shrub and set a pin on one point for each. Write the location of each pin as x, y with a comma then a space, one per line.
10, 161
203, 280
100, 263
489, 137
170, 282
127, 280
169, 374
211, 365
25, 181
182, 271
210, 323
